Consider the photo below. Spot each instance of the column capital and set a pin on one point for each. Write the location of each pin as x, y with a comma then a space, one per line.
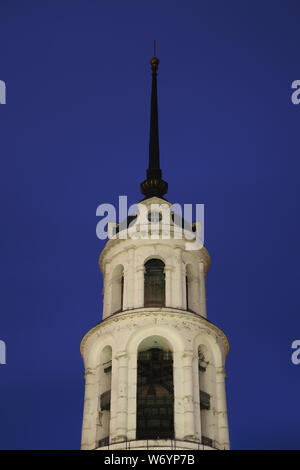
121, 356
169, 268
141, 268
187, 358
221, 372
89, 371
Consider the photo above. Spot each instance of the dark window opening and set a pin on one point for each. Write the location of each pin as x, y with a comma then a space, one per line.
155, 395
154, 217
206, 441
154, 295
204, 400
107, 367
103, 442
105, 401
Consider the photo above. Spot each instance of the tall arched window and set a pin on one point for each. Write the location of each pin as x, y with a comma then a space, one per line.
117, 289
155, 395
154, 292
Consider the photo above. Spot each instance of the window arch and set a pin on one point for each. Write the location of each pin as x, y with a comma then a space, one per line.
154, 289
117, 289
155, 390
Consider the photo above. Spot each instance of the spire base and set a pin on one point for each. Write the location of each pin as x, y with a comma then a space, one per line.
154, 187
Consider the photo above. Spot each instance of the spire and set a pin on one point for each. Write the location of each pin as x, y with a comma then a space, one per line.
154, 185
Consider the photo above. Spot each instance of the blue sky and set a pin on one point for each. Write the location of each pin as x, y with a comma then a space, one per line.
74, 134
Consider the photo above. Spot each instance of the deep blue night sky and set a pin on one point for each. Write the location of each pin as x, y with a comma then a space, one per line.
74, 134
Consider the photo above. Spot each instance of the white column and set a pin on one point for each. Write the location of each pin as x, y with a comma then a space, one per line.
90, 411
114, 400
188, 403
178, 395
130, 278
178, 280
168, 284
126, 288
194, 296
196, 388
139, 286
107, 290
202, 291
183, 285
122, 390
222, 408
132, 396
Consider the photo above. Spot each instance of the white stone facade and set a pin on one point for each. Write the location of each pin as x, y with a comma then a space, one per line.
110, 350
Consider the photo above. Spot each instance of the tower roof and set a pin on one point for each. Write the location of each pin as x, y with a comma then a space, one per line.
154, 185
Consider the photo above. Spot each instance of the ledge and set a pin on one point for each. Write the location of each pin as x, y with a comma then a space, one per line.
161, 444
155, 312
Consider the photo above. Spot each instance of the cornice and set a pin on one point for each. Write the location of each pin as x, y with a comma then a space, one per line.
181, 314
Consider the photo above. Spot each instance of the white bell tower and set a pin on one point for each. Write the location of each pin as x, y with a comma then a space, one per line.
154, 366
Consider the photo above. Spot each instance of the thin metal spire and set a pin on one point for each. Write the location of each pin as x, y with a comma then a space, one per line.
154, 185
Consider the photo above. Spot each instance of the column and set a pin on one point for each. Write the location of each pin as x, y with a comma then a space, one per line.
139, 287
132, 396
188, 403
168, 285
194, 296
130, 278
90, 410
196, 391
223, 434
122, 390
183, 285
202, 291
126, 288
178, 280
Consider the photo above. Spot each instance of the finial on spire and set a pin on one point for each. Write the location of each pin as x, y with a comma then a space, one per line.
154, 61
154, 185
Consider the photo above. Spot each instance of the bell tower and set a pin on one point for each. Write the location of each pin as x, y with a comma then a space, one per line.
154, 366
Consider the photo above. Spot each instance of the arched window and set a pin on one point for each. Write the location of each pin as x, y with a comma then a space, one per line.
154, 292
117, 289
155, 395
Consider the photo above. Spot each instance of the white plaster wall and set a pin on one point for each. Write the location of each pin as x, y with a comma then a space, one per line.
126, 332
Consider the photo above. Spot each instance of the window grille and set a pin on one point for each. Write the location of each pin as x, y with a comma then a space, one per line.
105, 401
154, 295
204, 400
155, 395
